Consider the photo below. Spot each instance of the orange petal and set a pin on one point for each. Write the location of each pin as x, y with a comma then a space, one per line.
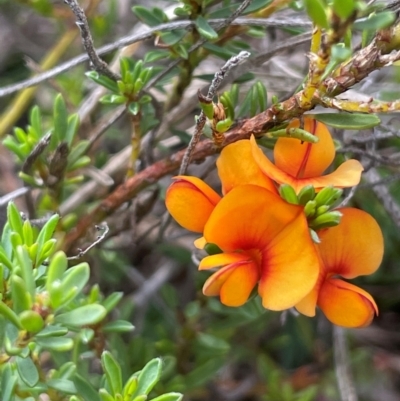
347, 174
248, 217
222, 259
290, 267
354, 247
233, 283
346, 305
302, 159
236, 166
190, 202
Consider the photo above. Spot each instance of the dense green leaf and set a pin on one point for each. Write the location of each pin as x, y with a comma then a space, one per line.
63, 385
112, 369
118, 326
343, 8
27, 371
84, 315
349, 121
205, 29
60, 121
375, 21
10, 315
147, 15
317, 12
148, 377
60, 344
169, 397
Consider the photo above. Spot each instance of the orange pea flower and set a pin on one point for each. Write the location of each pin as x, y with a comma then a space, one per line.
300, 163
264, 240
351, 249
191, 201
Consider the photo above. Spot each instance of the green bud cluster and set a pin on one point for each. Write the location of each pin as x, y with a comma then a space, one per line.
317, 205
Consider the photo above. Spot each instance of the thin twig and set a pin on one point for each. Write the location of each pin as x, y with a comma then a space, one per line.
343, 375
226, 22
81, 21
148, 34
4, 200
201, 121
82, 252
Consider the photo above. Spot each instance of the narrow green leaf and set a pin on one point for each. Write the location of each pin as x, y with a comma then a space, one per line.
102, 80
60, 121
147, 15
19, 294
343, 8
14, 219
82, 316
25, 264
52, 331
36, 121
105, 395
317, 12
118, 326
27, 233
63, 385
134, 108
10, 315
77, 151
375, 22
148, 377
27, 371
112, 369
204, 29
9, 386
72, 128
112, 301
169, 397
57, 267
85, 389
60, 344
351, 121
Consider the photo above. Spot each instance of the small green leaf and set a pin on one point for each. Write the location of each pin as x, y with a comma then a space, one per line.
77, 151
351, 121
60, 344
8, 388
10, 315
103, 80
63, 385
52, 331
118, 326
20, 296
46, 233
82, 316
57, 267
72, 128
60, 121
155, 55
147, 15
375, 22
205, 29
27, 371
112, 369
181, 50
343, 8
14, 219
25, 264
148, 377
112, 301
169, 397
317, 12
85, 389
105, 395
134, 108
35, 119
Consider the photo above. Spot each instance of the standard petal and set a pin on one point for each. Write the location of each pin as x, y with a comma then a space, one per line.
248, 217
223, 259
190, 202
290, 267
346, 175
302, 159
233, 283
354, 247
346, 305
236, 166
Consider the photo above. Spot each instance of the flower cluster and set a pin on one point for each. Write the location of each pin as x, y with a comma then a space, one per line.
260, 230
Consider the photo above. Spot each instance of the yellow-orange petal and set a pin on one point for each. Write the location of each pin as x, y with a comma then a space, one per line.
233, 283
346, 175
290, 266
190, 202
223, 259
248, 217
302, 159
354, 247
200, 243
346, 305
236, 166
